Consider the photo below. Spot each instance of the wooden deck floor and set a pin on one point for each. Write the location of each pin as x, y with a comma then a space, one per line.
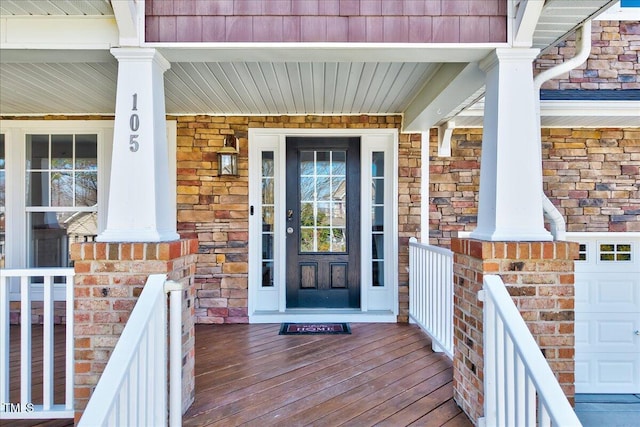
381, 374
36, 363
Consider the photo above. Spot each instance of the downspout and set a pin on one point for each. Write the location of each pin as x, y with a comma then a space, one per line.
583, 44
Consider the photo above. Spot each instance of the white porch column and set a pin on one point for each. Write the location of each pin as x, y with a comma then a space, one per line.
140, 208
510, 201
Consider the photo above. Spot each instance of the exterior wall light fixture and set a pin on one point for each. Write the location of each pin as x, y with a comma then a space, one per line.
228, 157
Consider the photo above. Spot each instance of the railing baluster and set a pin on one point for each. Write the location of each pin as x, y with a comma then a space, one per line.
531, 402
175, 357
4, 329
70, 346
25, 340
48, 345
520, 393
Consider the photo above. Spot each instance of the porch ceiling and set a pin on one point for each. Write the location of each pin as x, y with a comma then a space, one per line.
238, 79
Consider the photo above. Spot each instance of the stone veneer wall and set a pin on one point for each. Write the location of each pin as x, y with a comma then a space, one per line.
591, 175
613, 63
215, 209
539, 277
109, 279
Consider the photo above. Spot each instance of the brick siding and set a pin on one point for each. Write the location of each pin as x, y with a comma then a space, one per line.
613, 63
109, 279
539, 277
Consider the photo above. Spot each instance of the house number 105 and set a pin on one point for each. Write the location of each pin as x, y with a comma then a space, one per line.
134, 124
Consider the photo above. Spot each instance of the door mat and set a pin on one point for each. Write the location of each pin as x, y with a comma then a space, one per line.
314, 328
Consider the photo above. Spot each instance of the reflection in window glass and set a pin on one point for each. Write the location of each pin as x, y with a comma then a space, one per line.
323, 197
268, 211
62, 195
2, 201
377, 218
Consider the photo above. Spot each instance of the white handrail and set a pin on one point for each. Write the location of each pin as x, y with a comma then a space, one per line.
26, 408
133, 387
431, 293
516, 374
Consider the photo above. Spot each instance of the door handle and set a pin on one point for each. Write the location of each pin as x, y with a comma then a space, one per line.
636, 332
289, 214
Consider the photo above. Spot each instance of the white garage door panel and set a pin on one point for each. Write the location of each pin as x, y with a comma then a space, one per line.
608, 292
607, 332
607, 312
608, 373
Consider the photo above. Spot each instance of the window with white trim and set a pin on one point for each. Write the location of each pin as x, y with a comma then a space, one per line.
377, 219
268, 217
61, 173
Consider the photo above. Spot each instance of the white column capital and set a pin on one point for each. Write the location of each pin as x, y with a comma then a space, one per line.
140, 54
503, 55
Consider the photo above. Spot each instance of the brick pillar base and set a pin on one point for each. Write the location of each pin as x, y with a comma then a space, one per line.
109, 280
539, 277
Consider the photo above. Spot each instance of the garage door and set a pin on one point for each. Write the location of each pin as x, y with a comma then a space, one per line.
607, 278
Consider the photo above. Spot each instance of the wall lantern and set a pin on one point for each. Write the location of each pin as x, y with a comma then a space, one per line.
228, 157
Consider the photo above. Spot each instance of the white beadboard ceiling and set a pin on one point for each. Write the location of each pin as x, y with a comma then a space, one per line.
55, 7
293, 87
84, 82
560, 16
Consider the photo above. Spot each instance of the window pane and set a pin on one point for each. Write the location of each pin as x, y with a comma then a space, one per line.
38, 152
51, 233
324, 215
378, 273
267, 163
377, 218
306, 163
86, 188
267, 274
267, 209
377, 164
37, 188
61, 189
61, 151
87, 152
339, 163
322, 186
377, 249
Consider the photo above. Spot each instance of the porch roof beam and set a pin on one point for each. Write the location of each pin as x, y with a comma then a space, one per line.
57, 32
130, 25
526, 19
451, 86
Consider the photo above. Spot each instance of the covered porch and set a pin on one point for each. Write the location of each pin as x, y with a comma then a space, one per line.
380, 374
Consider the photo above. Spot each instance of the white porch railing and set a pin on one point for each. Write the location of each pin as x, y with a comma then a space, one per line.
133, 387
519, 387
431, 293
26, 408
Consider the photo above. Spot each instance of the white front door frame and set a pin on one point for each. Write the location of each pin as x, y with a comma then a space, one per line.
268, 304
